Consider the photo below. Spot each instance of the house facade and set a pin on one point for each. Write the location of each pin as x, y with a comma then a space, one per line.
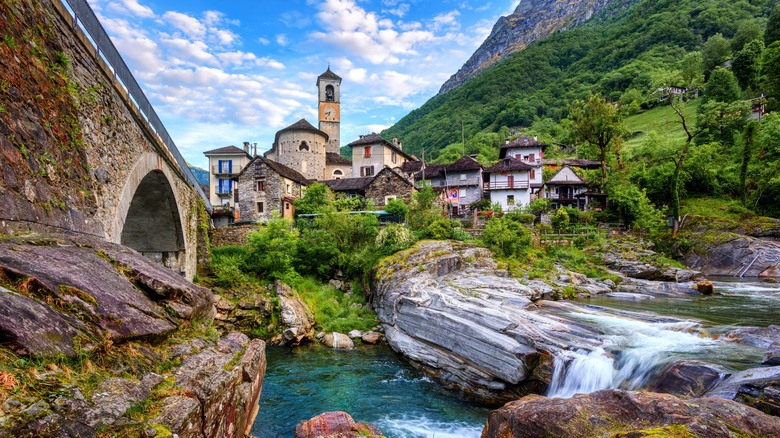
224, 164
372, 153
460, 183
386, 185
565, 189
511, 182
265, 186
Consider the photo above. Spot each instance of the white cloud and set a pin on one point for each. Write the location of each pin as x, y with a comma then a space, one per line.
448, 20
281, 39
264, 41
192, 52
191, 26
138, 9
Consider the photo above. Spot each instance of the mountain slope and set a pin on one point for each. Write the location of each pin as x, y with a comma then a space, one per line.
633, 48
531, 21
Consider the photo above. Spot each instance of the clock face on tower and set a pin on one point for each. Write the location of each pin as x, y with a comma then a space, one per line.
329, 112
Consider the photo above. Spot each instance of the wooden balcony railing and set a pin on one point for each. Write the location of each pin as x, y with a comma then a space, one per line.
504, 185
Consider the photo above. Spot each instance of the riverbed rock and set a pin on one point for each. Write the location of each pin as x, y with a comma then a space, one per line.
772, 355
444, 308
764, 397
628, 414
355, 334
688, 378
226, 380
371, 337
728, 388
633, 265
338, 341
728, 253
335, 425
705, 287
762, 337
297, 319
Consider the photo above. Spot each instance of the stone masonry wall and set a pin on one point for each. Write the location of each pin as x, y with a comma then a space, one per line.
69, 138
388, 183
275, 188
311, 163
231, 235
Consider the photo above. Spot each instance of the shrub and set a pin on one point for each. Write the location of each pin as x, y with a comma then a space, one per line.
440, 229
519, 216
227, 263
506, 238
560, 219
397, 207
317, 254
393, 238
272, 248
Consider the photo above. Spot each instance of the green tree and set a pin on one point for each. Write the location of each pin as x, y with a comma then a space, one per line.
714, 53
722, 86
397, 207
766, 172
770, 72
692, 70
772, 31
748, 145
747, 64
423, 210
272, 248
599, 124
315, 199
505, 237
631, 206
747, 31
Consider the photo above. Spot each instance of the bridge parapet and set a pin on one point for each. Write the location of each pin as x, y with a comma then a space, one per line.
94, 36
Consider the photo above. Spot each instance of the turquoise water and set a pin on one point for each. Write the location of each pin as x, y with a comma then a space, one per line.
371, 383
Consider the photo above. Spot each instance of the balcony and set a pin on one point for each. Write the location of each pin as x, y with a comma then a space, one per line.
222, 210
224, 193
225, 170
505, 185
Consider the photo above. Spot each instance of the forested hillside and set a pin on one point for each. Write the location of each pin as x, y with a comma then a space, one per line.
626, 57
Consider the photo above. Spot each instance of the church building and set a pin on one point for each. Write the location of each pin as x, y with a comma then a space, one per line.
314, 152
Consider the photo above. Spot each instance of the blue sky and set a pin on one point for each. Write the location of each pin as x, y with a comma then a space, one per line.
221, 73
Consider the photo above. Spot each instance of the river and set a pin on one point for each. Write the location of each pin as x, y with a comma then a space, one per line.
374, 385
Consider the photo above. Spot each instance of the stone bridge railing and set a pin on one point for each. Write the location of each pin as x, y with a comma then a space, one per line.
82, 16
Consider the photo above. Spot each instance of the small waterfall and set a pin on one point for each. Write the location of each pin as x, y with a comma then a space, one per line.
640, 349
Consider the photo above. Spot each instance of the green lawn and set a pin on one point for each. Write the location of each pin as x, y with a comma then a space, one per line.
661, 119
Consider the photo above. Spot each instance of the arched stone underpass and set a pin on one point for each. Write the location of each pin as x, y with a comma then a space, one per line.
152, 225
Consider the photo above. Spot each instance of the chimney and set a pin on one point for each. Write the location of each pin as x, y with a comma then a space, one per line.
255, 151
246, 147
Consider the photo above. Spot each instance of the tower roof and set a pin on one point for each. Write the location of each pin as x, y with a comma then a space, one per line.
301, 125
328, 75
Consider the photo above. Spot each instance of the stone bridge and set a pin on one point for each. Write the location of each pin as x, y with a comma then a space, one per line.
81, 149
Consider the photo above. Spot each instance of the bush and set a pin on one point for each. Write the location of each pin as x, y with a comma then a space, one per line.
506, 238
333, 310
440, 229
227, 263
317, 254
560, 219
397, 207
272, 249
393, 238
520, 217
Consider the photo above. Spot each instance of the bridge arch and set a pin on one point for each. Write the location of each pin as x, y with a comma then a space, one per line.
149, 218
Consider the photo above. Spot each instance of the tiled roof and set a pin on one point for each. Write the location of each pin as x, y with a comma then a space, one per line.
279, 168
349, 184
431, 171
508, 164
300, 125
585, 164
328, 75
565, 177
524, 142
411, 166
227, 150
375, 138
334, 158
464, 163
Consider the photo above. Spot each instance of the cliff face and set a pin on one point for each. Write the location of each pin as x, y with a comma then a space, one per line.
532, 21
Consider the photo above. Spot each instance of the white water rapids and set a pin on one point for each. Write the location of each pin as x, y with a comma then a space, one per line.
632, 350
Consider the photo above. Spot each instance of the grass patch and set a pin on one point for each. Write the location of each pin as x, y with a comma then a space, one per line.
720, 208
661, 119
333, 309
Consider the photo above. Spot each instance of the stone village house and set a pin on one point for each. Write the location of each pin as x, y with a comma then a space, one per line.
458, 183
386, 185
264, 186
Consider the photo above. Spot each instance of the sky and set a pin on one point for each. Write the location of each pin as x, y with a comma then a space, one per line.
221, 73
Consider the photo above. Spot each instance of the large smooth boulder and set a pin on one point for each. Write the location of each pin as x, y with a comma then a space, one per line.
729, 387
762, 337
622, 413
297, 319
335, 425
94, 287
444, 307
727, 253
688, 378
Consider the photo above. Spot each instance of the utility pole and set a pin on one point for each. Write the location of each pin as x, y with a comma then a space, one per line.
462, 135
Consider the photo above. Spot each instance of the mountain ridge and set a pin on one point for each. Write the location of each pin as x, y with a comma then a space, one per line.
530, 22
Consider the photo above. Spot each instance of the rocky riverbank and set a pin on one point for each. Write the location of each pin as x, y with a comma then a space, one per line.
97, 338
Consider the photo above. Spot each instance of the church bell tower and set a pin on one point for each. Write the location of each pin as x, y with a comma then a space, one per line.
329, 87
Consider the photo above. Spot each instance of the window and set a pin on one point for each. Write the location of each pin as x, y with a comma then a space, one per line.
531, 157
525, 157
510, 199
329, 93
260, 186
338, 173
289, 189
510, 181
303, 146
235, 195
393, 157
225, 166
463, 177
533, 173
367, 171
367, 152
225, 186
463, 193
260, 207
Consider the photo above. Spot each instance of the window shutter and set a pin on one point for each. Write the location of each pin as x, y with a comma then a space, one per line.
235, 195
